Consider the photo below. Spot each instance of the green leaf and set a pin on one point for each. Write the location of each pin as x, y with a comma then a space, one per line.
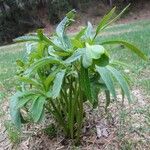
92, 52
88, 34
102, 61
26, 98
121, 80
86, 59
80, 34
50, 78
51, 51
107, 78
37, 108
76, 55
77, 43
40, 49
116, 18
104, 21
63, 39
62, 53
14, 111
41, 63
27, 38
30, 81
129, 46
20, 63
44, 38
40, 34
58, 81
65, 22
66, 42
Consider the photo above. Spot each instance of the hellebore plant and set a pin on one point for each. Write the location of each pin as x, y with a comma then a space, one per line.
62, 72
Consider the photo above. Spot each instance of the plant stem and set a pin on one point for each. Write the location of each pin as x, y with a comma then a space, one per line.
79, 114
58, 116
71, 116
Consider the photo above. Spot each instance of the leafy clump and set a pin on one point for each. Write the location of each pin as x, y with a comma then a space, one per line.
60, 73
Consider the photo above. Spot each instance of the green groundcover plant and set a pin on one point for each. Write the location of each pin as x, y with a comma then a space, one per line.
62, 72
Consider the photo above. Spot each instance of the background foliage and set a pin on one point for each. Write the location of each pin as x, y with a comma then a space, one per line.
16, 19
20, 16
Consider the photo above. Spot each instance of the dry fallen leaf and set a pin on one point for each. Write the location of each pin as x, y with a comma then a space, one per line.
25, 145
102, 130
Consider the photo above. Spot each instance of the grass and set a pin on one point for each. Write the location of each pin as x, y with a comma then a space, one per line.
137, 33
8, 56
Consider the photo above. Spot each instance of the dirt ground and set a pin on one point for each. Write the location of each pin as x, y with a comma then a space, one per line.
100, 132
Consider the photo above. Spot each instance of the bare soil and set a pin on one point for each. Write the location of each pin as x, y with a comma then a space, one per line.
101, 131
